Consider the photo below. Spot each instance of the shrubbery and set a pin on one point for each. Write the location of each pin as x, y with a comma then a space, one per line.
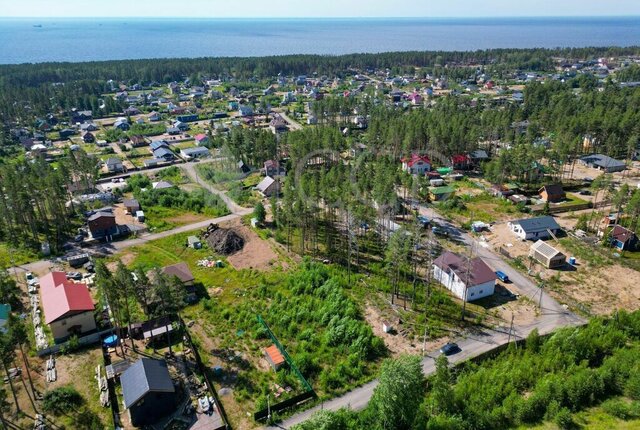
62, 400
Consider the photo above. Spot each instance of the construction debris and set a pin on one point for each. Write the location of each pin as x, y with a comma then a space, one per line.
102, 387
222, 240
210, 262
52, 373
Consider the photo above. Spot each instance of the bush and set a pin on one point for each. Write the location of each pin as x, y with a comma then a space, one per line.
564, 419
62, 400
619, 409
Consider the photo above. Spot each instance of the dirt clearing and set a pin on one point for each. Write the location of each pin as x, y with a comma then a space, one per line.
256, 252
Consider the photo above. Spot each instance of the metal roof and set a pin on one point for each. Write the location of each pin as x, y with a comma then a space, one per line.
532, 225
145, 376
545, 249
61, 296
478, 271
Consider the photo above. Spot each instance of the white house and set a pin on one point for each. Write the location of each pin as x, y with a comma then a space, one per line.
460, 276
416, 165
534, 228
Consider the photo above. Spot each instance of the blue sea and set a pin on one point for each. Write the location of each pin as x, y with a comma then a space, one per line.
32, 40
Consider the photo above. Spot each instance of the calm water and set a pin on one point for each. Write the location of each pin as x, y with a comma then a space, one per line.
86, 39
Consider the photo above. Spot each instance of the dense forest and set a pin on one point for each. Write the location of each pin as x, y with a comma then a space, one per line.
542, 379
35, 202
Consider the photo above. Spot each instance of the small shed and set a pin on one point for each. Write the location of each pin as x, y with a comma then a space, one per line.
140, 216
274, 357
386, 327
194, 242
547, 255
131, 205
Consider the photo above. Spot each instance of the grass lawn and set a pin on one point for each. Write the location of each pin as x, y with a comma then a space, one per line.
159, 218
592, 419
572, 200
482, 207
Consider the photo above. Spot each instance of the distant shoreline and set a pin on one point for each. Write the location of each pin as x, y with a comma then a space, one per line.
37, 40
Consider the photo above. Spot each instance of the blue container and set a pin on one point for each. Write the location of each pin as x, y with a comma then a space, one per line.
110, 341
572, 261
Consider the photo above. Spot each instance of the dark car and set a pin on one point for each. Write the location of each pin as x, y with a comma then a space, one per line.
585, 193
450, 349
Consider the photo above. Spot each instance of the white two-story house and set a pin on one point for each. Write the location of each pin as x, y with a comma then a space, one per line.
461, 275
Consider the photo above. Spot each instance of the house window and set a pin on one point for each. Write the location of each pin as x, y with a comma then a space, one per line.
63, 322
473, 294
480, 291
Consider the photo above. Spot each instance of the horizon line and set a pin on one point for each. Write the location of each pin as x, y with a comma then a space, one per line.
322, 17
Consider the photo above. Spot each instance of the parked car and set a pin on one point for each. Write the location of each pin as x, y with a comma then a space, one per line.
585, 193
450, 349
502, 276
76, 276
439, 230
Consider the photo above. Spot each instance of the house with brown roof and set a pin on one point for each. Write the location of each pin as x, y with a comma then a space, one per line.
68, 306
468, 279
183, 273
623, 238
552, 193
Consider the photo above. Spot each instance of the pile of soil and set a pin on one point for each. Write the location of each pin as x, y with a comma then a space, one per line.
224, 241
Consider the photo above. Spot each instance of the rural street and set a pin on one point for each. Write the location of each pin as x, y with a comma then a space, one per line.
295, 125
108, 248
552, 316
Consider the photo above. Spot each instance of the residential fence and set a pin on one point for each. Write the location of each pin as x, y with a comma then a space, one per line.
90, 339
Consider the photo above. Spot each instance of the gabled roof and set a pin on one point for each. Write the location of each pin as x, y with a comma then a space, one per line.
545, 249
532, 225
145, 376
162, 185
158, 144
201, 136
475, 272
415, 158
195, 150
275, 355
180, 270
100, 214
113, 161
161, 152
265, 184
61, 296
130, 203
621, 234
553, 190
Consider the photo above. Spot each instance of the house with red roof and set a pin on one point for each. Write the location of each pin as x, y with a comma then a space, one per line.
461, 162
416, 165
68, 306
202, 139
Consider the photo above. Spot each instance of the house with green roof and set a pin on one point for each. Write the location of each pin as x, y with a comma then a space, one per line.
4, 317
441, 193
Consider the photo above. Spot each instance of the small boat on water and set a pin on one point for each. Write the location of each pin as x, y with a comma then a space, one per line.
37, 25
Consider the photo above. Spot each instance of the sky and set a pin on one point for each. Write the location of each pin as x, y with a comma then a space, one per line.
316, 8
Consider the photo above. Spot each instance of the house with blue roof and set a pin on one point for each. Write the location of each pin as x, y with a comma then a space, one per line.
163, 152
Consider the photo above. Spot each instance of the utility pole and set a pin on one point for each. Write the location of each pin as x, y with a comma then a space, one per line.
541, 286
466, 282
511, 329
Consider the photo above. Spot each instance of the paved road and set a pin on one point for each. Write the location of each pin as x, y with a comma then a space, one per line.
552, 316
